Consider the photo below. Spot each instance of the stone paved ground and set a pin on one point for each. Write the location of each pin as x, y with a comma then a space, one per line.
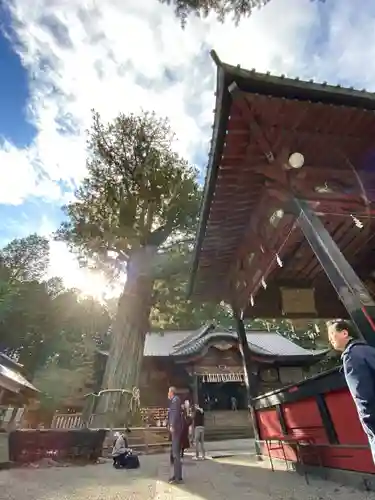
237, 477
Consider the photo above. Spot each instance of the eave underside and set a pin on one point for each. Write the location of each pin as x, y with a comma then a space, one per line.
338, 146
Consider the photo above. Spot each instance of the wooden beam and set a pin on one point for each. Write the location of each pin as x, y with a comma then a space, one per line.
340, 205
337, 178
344, 121
254, 238
277, 151
252, 123
330, 139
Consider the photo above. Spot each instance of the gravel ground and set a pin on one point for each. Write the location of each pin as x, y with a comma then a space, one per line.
238, 477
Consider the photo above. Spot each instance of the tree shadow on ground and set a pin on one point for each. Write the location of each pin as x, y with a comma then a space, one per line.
241, 477
236, 477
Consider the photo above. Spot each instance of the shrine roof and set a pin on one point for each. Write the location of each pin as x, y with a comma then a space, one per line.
265, 344
13, 376
181, 344
330, 125
9, 362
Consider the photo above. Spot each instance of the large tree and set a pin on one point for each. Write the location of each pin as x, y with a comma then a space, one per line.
234, 9
171, 309
138, 200
222, 8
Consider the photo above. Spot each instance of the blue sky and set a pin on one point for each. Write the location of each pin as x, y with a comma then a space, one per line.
14, 96
61, 59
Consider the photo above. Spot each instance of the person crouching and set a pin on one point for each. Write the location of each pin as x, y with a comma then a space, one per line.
120, 451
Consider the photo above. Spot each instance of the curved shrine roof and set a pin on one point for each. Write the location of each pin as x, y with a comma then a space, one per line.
183, 344
9, 369
258, 117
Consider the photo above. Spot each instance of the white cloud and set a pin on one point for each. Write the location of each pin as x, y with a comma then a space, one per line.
122, 56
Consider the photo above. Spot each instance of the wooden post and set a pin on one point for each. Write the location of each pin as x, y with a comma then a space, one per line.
145, 432
195, 389
350, 289
2, 412
251, 381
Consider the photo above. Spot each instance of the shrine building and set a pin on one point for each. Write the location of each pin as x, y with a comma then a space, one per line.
206, 366
286, 230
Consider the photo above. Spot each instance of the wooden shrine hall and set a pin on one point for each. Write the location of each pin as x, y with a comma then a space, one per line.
206, 365
287, 230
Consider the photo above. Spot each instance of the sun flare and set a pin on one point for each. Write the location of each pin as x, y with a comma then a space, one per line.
89, 283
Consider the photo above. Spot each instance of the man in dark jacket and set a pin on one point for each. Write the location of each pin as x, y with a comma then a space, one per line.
175, 429
358, 359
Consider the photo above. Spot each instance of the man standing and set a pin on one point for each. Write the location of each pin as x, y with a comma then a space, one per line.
175, 429
199, 431
358, 359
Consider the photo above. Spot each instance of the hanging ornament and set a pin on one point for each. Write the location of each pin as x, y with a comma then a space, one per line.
279, 261
357, 222
264, 284
252, 300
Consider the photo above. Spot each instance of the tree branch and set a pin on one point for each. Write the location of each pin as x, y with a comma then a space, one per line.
176, 243
164, 267
159, 235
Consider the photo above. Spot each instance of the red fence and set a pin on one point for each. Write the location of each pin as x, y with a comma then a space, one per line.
325, 415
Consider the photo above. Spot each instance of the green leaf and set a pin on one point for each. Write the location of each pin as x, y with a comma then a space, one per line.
137, 191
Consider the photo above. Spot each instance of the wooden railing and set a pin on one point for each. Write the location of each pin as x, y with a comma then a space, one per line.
67, 421
152, 417
157, 417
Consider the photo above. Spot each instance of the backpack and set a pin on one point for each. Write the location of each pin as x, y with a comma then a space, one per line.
132, 462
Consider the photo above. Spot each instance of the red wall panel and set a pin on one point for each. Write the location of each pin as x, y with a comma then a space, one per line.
269, 425
358, 460
303, 420
345, 417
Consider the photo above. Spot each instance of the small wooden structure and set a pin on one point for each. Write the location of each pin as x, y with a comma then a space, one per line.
287, 227
15, 389
15, 392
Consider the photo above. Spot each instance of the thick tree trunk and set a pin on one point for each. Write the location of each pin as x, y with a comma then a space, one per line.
127, 343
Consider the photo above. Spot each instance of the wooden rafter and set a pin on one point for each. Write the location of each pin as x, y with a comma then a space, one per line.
262, 123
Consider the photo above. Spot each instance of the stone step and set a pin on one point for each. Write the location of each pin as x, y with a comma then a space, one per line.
227, 419
225, 433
